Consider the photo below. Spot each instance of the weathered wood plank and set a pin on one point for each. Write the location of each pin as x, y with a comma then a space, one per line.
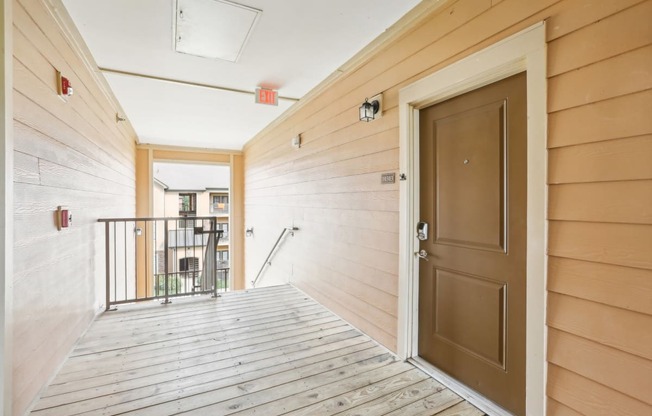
265, 361
433, 404
349, 391
172, 379
211, 352
393, 403
327, 405
206, 361
462, 409
267, 389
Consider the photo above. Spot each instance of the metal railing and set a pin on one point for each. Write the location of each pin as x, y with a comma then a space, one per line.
268, 262
162, 258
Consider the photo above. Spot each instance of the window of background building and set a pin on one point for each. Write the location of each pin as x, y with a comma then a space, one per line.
224, 226
187, 208
222, 257
219, 203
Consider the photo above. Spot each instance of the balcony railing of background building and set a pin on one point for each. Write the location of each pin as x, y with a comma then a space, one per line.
219, 208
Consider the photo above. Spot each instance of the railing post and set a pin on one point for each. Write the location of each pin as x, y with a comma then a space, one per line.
107, 249
213, 253
166, 248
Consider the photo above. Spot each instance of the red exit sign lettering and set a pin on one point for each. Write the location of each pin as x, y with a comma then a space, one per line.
266, 96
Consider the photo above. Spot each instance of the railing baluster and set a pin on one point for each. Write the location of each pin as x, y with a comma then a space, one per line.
147, 260
167, 276
135, 234
107, 253
125, 261
115, 263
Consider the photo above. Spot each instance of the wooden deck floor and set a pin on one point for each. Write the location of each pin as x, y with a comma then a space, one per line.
267, 351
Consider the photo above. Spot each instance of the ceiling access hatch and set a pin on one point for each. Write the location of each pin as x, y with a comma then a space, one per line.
215, 29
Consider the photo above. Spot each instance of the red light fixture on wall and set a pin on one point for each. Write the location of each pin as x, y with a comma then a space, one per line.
65, 88
63, 217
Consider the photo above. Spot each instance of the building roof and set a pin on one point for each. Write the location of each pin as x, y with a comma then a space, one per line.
192, 177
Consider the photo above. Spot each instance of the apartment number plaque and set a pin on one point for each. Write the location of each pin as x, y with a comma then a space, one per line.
387, 178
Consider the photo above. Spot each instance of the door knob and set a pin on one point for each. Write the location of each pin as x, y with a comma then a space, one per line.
422, 254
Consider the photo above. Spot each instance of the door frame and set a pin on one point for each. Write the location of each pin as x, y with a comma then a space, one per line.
523, 51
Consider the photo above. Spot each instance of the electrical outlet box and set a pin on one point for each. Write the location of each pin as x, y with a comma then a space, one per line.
296, 141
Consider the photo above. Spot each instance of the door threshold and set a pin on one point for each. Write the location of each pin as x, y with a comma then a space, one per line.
460, 389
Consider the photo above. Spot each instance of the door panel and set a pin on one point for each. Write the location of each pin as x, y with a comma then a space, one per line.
469, 152
473, 194
456, 320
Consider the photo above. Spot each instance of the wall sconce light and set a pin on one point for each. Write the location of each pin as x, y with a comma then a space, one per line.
371, 110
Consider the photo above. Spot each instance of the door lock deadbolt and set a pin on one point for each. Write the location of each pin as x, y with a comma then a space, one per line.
422, 231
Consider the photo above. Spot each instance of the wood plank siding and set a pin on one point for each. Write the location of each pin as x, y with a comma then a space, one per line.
599, 174
267, 351
68, 152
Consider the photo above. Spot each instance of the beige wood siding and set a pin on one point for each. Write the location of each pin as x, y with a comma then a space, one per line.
68, 152
600, 203
600, 212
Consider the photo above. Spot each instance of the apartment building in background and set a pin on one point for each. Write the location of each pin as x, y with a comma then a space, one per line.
187, 195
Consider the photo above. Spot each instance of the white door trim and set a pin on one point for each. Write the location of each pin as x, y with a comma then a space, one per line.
524, 51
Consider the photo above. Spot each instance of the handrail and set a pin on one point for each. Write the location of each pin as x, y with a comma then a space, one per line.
206, 217
271, 252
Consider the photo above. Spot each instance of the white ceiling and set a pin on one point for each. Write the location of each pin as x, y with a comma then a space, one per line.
294, 46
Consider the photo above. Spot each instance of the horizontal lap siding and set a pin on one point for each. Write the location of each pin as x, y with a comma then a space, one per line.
600, 212
70, 153
599, 175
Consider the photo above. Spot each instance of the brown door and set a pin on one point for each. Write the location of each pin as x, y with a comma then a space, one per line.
473, 197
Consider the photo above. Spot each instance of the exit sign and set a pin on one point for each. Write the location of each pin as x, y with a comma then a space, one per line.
266, 96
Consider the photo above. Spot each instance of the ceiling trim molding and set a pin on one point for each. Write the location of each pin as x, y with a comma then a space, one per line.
69, 31
404, 25
184, 149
